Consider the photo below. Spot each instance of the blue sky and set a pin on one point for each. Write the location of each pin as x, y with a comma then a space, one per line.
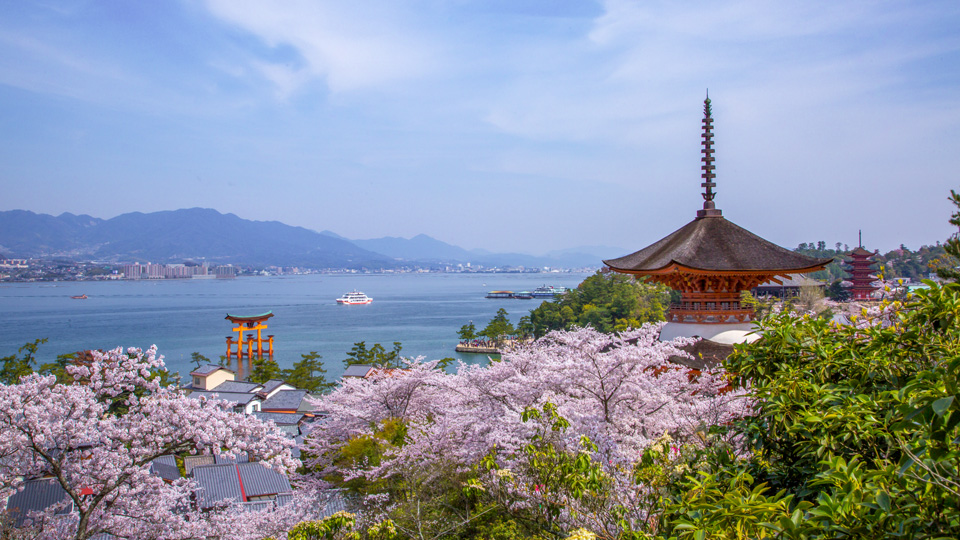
507, 125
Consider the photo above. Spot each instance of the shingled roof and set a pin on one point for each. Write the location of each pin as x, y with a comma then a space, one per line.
36, 496
715, 244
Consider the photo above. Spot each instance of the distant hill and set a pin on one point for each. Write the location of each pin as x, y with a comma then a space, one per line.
178, 235
418, 248
422, 248
203, 234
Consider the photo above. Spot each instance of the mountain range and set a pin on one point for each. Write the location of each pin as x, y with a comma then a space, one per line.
203, 234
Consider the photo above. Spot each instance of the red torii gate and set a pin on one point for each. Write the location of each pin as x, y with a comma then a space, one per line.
249, 324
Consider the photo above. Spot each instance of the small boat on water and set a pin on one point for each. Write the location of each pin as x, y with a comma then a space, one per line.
81, 297
354, 298
500, 294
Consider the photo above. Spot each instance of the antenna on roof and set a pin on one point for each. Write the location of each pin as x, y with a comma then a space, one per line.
709, 207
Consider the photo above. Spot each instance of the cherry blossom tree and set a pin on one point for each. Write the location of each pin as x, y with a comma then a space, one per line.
620, 391
97, 437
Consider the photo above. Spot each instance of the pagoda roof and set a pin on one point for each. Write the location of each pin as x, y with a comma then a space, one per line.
862, 252
249, 318
714, 244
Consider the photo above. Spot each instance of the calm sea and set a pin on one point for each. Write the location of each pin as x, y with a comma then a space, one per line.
422, 311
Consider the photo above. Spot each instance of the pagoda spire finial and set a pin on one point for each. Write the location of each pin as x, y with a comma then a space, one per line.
709, 208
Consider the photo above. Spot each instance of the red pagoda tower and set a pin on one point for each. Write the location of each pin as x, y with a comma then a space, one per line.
861, 273
710, 261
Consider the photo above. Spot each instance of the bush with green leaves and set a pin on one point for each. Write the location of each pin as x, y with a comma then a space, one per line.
856, 433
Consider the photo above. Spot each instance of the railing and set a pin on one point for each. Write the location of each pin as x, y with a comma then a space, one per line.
709, 313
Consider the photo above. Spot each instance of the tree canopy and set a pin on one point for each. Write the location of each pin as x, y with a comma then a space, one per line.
608, 302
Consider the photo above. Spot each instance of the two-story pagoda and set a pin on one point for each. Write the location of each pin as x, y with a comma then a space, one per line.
710, 261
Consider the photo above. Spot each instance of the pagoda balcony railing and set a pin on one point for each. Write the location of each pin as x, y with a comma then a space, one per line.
709, 313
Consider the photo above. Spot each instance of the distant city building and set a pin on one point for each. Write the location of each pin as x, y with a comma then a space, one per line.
226, 272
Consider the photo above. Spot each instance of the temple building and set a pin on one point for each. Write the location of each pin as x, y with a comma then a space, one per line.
711, 261
861, 274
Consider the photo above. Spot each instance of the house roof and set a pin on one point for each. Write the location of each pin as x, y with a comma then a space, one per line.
236, 386
165, 467
36, 496
192, 462
284, 400
241, 398
258, 480
272, 385
208, 369
218, 483
281, 419
715, 244
357, 370
335, 502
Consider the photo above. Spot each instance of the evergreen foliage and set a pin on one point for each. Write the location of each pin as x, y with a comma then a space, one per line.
608, 302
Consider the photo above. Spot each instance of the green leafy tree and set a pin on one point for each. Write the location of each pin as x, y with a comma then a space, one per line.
607, 301
467, 332
376, 355
855, 432
525, 327
18, 365
199, 359
308, 374
499, 327
265, 369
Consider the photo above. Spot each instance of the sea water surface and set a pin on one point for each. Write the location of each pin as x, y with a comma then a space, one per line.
422, 311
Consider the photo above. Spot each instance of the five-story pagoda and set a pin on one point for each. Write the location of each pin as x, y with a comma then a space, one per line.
710, 261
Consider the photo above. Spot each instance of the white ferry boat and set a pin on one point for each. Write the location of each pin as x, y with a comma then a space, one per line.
354, 298
548, 291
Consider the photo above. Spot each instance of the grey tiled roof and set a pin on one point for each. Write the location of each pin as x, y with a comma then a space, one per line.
256, 506
284, 400
259, 480
280, 418
290, 431
334, 503
713, 243
216, 484
240, 398
208, 369
272, 385
36, 496
165, 467
239, 458
357, 370
236, 386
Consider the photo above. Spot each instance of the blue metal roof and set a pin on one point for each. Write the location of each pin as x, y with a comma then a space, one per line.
259, 480
165, 467
36, 496
217, 484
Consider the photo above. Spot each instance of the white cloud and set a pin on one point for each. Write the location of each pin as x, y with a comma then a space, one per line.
352, 45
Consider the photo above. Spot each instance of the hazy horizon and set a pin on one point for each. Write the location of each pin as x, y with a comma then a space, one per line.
508, 126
